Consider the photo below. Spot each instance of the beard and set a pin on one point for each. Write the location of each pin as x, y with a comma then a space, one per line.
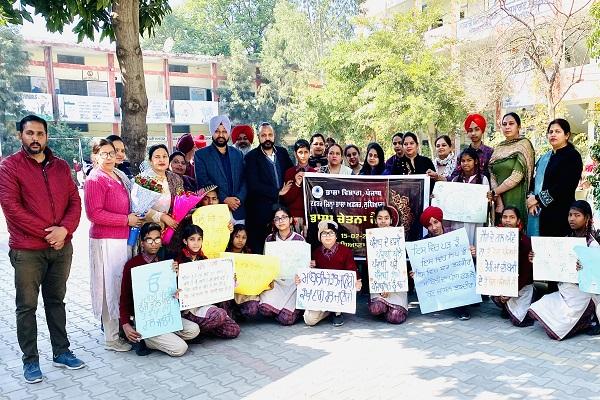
220, 142
33, 151
245, 150
267, 145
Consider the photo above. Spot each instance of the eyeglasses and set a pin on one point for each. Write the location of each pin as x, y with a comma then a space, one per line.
104, 155
328, 234
150, 241
280, 219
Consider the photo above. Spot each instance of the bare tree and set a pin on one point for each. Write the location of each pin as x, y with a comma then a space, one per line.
550, 35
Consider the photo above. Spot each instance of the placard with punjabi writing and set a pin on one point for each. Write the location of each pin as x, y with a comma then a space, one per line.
156, 308
213, 220
326, 290
386, 257
444, 271
205, 282
498, 261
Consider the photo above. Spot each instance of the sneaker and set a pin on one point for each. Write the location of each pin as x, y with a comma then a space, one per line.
67, 360
117, 345
32, 372
338, 319
464, 316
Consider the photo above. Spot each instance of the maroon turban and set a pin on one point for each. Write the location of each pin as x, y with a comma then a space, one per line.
431, 212
245, 129
185, 143
478, 119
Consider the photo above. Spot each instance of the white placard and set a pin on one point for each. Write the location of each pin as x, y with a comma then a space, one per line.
293, 255
326, 290
205, 282
453, 198
498, 261
555, 259
386, 256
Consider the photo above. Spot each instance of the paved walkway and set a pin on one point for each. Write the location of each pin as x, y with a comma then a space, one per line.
429, 356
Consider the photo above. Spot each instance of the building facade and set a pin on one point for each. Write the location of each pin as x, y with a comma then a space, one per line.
81, 85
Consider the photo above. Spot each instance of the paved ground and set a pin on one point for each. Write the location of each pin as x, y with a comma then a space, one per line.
429, 356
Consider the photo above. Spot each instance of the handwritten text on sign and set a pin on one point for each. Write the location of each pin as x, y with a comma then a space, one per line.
254, 272
293, 255
589, 275
213, 220
205, 282
156, 310
326, 290
498, 261
554, 258
444, 271
386, 256
451, 197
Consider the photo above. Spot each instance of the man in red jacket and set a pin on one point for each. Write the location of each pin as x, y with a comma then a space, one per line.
42, 209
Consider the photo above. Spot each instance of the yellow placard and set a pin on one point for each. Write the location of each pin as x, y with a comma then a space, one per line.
254, 272
213, 220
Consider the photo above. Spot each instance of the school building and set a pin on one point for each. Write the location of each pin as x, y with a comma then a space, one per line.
470, 21
81, 85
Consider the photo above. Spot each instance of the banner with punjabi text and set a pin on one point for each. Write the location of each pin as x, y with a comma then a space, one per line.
351, 200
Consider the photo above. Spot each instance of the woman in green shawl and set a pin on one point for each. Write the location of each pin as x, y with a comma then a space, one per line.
511, 167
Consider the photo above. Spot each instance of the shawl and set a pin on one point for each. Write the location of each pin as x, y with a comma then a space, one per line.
449, 163
520, 148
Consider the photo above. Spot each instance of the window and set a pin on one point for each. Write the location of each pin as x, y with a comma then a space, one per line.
119, 89
209, 96
67, 59
178, 68
181, 129
22, 84
79, 127
68, 86
180, 93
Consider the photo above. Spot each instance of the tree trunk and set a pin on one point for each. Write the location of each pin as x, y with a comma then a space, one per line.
134, 103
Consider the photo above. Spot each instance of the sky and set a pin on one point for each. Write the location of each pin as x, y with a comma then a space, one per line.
37, 30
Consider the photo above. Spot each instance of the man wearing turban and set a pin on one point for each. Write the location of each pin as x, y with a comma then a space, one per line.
223, 166
186, 145
242, 137
475, 125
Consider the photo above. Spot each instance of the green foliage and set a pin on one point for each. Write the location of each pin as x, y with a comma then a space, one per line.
64, 142
91, 16
386, 82
13, 63
594, 37
594, 179
209, 27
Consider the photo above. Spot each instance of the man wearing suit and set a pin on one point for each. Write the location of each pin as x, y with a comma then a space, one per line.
223, 166
265, 169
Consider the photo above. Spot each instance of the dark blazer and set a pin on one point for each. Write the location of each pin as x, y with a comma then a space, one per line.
263, 192
209, 171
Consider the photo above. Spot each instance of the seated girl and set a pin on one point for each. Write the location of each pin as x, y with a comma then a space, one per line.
330, 255
211, 319
393, 306
245, 306
280, 301
516, 307
568, 311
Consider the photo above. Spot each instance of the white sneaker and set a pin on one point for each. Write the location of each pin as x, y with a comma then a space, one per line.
117, 345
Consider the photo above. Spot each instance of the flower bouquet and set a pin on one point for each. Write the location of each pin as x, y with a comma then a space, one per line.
182, 204
144, 193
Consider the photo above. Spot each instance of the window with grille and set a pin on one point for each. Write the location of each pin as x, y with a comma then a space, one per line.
68, 59
178, 68
180, 92
68, 86
181, 129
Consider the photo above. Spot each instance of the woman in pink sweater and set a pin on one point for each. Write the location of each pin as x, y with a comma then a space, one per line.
106, 193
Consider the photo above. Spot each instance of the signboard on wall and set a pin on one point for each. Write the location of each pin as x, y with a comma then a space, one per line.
194, 112
84, 109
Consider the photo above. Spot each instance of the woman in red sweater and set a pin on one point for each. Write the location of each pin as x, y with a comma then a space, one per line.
330, 255
106, 193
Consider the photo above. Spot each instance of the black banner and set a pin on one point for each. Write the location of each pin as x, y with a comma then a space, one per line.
351, 200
